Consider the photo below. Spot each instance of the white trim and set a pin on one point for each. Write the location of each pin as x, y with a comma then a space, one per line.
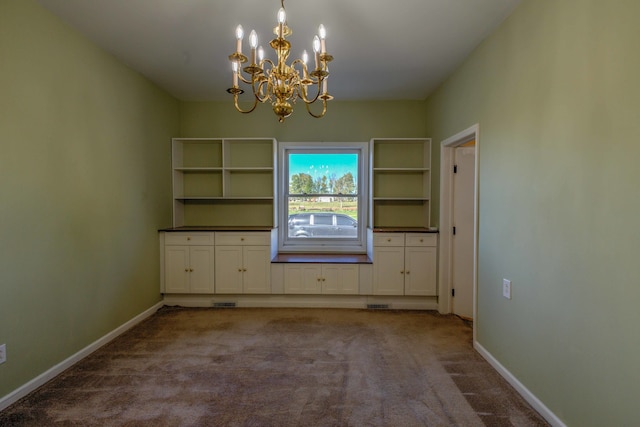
446, 209
304, 301
536, 403
48, 375
327, 245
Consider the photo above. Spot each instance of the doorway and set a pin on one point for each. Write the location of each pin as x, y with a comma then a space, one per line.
459, 156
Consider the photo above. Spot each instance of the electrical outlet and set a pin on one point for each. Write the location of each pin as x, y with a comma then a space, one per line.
3, 353
506, 288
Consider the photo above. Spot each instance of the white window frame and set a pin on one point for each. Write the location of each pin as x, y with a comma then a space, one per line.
357, 245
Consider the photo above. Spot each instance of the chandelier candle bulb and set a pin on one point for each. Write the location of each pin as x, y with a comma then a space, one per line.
323, 34
239, 36
316, 50
282, 18
235, 74
260, 54
305, 59
253, 41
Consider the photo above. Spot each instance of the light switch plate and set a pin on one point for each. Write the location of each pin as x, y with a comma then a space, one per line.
3, 353
506, 288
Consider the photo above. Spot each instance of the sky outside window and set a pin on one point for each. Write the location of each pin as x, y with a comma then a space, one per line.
318, 165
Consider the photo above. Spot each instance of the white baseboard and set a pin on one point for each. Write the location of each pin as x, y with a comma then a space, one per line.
303, 301
48, 375
520, 388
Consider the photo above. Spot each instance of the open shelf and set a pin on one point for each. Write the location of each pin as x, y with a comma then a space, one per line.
224, 182
400, 182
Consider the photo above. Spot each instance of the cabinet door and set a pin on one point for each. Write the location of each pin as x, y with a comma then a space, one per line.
340, 279
229, 269
388, 270
256, 270
176, 259
420, 271
201, 269
302, 279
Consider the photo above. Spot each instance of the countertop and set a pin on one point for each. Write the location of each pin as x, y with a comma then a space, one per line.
404, 230
216, 228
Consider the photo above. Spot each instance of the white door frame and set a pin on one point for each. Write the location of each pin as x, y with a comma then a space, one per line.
446, 214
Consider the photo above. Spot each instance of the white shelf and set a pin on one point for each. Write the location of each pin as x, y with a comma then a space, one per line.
400, 190
217, 181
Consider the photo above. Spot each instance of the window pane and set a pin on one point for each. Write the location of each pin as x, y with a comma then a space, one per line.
330, 211
323, 173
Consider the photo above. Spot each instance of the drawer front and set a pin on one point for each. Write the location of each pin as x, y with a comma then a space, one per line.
250, 239
196, 239
388, 239
421, 239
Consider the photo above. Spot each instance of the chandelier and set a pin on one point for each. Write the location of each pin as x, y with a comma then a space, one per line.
279, 83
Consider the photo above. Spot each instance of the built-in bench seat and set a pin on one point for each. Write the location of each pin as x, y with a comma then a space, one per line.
316, 258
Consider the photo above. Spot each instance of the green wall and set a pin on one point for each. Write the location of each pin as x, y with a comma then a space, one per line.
84, 186
344, 121
556, 94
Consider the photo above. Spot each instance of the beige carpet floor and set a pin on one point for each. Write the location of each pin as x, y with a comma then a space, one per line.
281, 367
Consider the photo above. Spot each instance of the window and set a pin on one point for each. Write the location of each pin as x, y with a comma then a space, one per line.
322, 197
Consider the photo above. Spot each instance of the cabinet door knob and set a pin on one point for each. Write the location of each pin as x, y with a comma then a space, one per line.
191, 269
240, 270
186, 269
421, 240
402, 272
407, 272
389, 239
188, 238
244, 269
242, 239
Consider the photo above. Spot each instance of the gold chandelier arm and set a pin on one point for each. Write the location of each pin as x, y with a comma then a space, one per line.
267, 61
303, 93
260, 92
235, 102
324, 109
243, 79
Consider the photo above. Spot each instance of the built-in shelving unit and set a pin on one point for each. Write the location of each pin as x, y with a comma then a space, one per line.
400, 182
224, 182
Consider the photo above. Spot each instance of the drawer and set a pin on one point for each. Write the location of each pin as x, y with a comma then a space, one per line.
250, 239
421, 239
196, 239
388, 239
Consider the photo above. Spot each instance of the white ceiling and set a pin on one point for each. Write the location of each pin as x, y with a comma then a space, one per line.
395, 50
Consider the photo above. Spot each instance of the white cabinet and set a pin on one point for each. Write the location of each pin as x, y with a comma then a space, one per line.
243, 263
302, 279
388, 270
189, 263
404, 264
420, 270
339, 279
334, 279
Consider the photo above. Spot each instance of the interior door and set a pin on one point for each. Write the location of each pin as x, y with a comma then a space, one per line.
462, 242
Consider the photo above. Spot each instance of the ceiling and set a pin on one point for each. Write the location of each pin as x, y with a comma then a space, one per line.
395, 50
